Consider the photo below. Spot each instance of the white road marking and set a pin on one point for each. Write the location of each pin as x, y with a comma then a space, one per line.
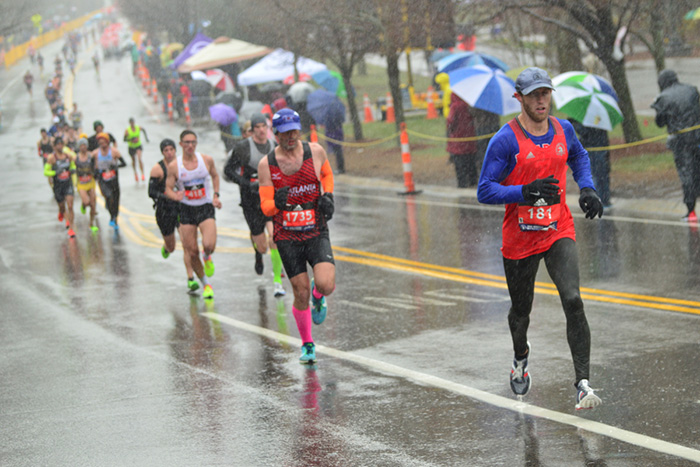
362, 306
602, 429
492, 297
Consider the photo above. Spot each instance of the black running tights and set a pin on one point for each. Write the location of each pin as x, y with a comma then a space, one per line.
110, 190
561, 261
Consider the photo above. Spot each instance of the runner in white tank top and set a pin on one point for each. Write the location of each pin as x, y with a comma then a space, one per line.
198, 193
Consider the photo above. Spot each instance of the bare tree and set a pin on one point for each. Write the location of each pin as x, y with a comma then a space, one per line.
596, 23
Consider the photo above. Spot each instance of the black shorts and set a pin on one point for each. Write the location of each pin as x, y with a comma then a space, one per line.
132, 151
61, 190
253, 215
195, 215
295, 254
168, 219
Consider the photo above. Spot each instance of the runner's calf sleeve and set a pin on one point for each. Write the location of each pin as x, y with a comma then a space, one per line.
327, 177
276, 264
267, 201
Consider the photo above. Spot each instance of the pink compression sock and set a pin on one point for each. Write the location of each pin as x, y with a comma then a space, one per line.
316, 294
303, 319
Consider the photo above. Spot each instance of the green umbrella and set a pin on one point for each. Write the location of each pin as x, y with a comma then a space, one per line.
692, 14
587, 98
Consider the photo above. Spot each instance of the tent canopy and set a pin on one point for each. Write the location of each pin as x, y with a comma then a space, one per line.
222, 52
198, 43
277, 66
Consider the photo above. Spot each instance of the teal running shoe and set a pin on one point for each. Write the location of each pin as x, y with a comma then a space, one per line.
318, 307
164, 252
308, 353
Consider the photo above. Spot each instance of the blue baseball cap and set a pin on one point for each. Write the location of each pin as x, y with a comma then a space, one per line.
532, 78
285, 120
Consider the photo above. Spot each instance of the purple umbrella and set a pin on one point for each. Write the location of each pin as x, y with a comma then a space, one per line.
223, 114
325, 108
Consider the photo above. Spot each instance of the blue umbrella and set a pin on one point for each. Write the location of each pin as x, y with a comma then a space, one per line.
464, 59
485, 88
223, 114
325, 107
326, 79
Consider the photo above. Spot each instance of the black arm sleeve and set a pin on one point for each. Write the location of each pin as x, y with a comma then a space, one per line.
153, 188
122, 162
233, 165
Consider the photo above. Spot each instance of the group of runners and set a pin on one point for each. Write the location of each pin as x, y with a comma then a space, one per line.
286, 190
81, 163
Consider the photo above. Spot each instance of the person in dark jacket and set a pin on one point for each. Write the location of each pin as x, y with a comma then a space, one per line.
678, 107
460, 124
600, 160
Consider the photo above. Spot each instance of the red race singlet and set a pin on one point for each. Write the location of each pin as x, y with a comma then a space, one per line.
300, 220
531, 228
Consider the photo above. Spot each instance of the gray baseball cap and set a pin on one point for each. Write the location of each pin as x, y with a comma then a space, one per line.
532, 78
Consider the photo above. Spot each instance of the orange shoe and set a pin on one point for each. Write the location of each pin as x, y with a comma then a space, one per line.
60, 217
143, 177
67, 225
71, 234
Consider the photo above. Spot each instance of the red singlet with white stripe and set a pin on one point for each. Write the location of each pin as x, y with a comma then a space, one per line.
301, 220
535, 162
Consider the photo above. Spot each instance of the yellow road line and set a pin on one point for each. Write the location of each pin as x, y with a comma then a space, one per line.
144, 237
542, 285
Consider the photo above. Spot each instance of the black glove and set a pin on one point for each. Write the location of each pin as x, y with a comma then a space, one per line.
326, 205
590, 203
281, 197
541, 188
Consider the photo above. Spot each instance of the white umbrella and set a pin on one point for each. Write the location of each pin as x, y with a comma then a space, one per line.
300, 91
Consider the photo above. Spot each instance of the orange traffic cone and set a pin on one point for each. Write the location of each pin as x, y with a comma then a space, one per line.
390, 116
369, 117
170, 106
188, 117
406, 160
154, 90
432, 113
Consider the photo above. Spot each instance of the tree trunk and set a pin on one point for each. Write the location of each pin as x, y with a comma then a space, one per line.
657, 34
352, 105
392, 69
618, 75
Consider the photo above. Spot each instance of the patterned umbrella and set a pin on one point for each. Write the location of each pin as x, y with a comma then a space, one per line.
692, 14
465, 59
485, 88
587, 98
220, 80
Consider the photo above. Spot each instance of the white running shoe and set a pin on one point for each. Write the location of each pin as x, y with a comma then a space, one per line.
585, 397
279, 290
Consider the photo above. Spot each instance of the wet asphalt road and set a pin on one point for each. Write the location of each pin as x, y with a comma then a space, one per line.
107, 361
